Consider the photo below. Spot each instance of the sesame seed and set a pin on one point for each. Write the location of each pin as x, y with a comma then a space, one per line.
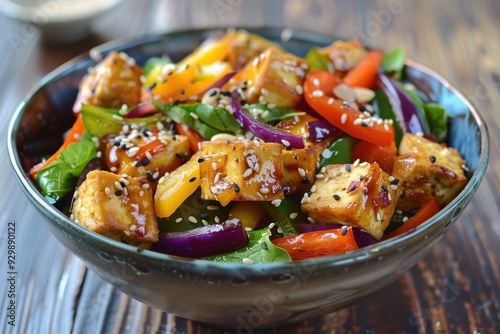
194, 179
119, 118
331, 100
133, 151
285, 142
313, 188
236, 188
192, 114
294, 215
394, 187
247, 172
336, 197
276, 202
279, 230
318, 93
301, 171
316, 82
405, 219
107, 190
118, 193
299, 89
264, 190
348, 168
247, 260
248, 229
45, 174
311, 220
355, 163
358, 121
124, 182
141, 193
386, 127
146, 185
363, 164
192, 219
271, 226
217, 219
343, 230
420, 134
113, 169
214, 166
125, 191
343, 118
214, 190
178, 220
118, 185
432, 159
149, 155
264, 91
320, 176
212, 207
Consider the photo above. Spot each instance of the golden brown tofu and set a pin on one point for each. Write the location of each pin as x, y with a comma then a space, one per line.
115, 81
246, 46
273, 77
119, 208
427, 170
146, 152
361, 195
344, 55
241, 171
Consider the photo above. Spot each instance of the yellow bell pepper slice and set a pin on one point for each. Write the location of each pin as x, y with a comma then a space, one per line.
174, 188
250, 213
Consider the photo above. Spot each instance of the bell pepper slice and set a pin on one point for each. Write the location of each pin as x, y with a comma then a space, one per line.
364, 73
428, 210
76, 131
341, 152
249, 213
383, 155
317, 244
318, 92
193, 136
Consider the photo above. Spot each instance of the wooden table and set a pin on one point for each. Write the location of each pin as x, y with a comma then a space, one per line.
454, 289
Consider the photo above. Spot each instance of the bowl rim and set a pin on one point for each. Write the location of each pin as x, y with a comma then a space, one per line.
374, 251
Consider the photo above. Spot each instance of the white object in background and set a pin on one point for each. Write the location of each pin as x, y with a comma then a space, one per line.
59, 21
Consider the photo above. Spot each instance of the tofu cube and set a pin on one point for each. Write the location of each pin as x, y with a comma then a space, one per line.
118, 208
246, 46
165, 153
272, 78
359, 195
427, 170
115, 81
243, 170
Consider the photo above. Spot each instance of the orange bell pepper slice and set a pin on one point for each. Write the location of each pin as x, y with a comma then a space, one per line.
364, 73
383, 155
193, 136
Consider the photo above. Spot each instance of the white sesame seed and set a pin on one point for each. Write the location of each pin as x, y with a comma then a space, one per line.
99, 154
331, 100
363, 164
247, 172
264, 91
316, 82
192, 114
299, 89
313, 188
119, 118
311, 220
133, 151
107, 191
301, 171
192, 219
214, 166
285, 142
264, 190
125, 191
212, 207
394, 187
217, 219
355, 163
276, 202
358, 121
118, 185
141, 193
214, 190
405, 219
146, 185
271, 226
320, 176
318, 93
420, 134
113, 169
178, 220
247, 260
343, 118
294, 215
217, 178
326, 153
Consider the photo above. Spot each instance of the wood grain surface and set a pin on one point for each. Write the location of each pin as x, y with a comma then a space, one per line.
454, 289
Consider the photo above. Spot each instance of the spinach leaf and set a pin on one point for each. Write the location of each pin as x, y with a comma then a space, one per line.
394, 61
259, 249
438, 120
207, 120
60, 177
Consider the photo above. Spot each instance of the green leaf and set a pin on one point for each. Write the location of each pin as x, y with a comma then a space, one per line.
259, 249
438, 120
394, 61
281, 215
316, 60
271, 115
60, 177
207, 121
103, 121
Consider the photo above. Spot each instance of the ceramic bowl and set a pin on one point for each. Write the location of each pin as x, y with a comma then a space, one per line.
237, 294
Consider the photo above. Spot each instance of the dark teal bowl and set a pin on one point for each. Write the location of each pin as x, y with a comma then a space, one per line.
237, 294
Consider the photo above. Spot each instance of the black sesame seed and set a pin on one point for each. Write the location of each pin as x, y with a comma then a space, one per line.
225, 93
384, 188
343, 230
305, 181
150, 176
432, 159
264, 245
192, 179
361, 177
145, 162
178, 155
200, 160
348, 168
204, 216
337, 197
213, 92
182, 91
122, 184
138, 163
236, 188
116, 143
363, 124
153, 85
123, 146
395, 181
118, 193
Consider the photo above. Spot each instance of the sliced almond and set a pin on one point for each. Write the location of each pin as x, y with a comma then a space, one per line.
363, 94
344, 92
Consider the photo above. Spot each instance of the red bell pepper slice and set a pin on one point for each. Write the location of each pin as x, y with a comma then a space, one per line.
193, 136
318, 92
428, 210
317, 244
364, 73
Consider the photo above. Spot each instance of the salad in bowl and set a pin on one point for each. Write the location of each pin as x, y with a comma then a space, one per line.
244, 152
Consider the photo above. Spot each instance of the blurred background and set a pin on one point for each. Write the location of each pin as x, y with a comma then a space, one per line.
454, 289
